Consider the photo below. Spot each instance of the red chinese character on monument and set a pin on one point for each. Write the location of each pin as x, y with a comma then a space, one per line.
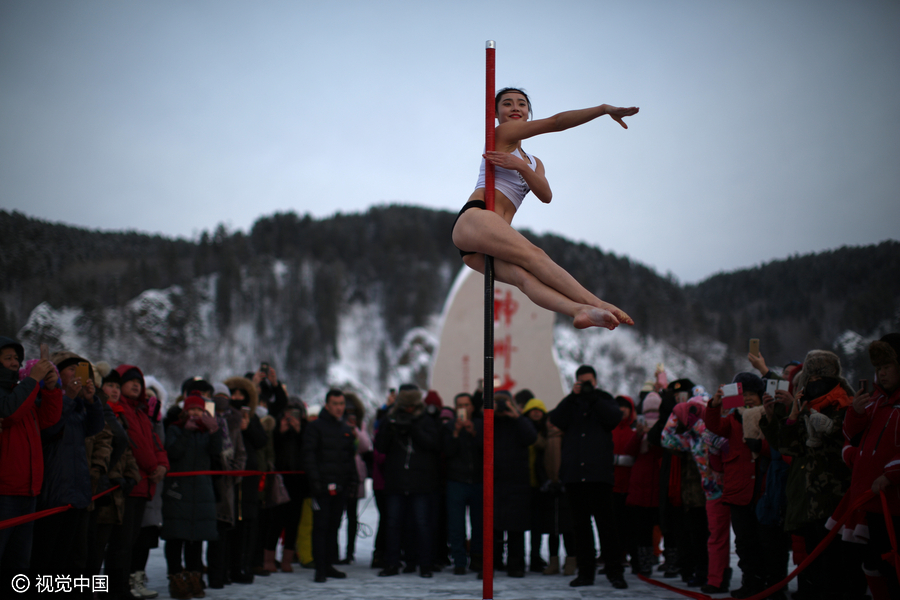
504, 349
504, 306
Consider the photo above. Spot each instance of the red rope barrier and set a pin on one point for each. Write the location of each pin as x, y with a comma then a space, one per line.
811, 557
15, 521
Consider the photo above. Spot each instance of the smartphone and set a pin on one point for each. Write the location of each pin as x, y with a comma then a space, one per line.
733, 396
264, 367
461, 414
210, 407
784, 384
771, 387
754, 346
864, 386
83, 372
45, 352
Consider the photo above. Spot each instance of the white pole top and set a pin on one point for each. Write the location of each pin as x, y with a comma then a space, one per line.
490, 44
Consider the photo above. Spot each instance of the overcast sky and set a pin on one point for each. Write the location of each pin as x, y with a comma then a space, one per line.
767, 128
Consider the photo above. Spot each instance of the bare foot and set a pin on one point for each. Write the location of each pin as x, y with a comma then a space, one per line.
617, 312
591, 316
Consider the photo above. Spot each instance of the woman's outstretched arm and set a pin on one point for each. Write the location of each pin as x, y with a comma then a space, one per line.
511, 132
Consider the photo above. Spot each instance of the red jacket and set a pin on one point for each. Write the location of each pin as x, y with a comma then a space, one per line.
621, 436
145, 444
741, 471
877, 451
22, 464
643, 487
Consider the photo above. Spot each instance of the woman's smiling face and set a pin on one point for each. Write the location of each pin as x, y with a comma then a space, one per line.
513, 106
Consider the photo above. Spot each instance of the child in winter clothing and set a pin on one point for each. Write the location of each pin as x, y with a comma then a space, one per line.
22, 467
743, 481
872, 430
686, 431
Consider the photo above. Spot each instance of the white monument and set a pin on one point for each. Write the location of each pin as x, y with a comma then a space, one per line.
524, 355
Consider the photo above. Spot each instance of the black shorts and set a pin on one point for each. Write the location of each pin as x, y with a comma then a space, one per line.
470, 204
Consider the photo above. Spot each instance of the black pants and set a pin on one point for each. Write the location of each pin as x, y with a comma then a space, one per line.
326, 522
121, 543
193, 552
880, 543
594, 499
217, 555
694, 553
832, 574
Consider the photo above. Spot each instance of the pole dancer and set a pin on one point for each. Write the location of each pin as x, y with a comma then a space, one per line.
480, 231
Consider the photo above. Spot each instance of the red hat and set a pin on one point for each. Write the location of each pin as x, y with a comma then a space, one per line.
194, 401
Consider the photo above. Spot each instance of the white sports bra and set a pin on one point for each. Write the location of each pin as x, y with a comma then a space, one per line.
508, 181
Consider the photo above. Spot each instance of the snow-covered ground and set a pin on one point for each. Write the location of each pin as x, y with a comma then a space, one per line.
363, 583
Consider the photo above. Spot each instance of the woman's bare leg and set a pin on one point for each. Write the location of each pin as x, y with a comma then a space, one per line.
486, 232
583, 315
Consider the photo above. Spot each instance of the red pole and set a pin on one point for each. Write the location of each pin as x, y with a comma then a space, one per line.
488, 476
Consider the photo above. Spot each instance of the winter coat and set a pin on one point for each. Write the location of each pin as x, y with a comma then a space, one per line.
189, 503
147, 447
235, 460
512, 480
153, 508
587, 448
873, 448
643, 483
255, 439
622, 435
110, 462
329, 455
743, 478
22, 464
464, 453
817, 477
289, 457
67, 477
363, 445
702, 445
411, 445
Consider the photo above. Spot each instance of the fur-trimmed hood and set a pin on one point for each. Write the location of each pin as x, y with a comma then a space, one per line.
358, 407
246, 386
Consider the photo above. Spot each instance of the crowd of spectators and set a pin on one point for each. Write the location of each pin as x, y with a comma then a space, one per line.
242, 469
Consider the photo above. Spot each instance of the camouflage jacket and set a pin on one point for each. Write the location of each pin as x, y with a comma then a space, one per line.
817, 478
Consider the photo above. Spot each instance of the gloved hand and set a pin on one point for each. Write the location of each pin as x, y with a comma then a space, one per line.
191, 424
209, 422
817, 427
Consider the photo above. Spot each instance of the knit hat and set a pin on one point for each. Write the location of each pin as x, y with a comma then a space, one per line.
535, 403
651, 403
131, 375
220, 389
750, 383
432, 398
63, 360
886, 350
194, 400
112, 377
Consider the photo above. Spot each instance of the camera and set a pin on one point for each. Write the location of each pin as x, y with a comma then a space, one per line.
500, 405
587, 387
